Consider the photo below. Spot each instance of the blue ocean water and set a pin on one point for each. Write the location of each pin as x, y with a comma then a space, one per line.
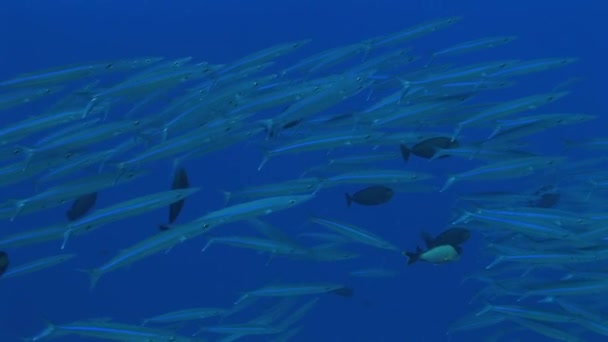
417, 305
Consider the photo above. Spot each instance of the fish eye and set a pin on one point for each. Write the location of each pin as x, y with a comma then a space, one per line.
292, 201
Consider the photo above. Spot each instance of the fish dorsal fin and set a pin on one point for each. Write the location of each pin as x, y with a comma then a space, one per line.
429, 241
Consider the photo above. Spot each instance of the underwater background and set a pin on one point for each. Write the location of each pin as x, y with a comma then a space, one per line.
422, 300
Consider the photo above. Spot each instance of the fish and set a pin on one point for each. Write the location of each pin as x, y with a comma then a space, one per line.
319, 142
144, 248
4, 262
374, 273
180, 181
527, 313
428, 148
436, 255
375, 176
502, 110
343, 292
33, 236
545, 197
185, 315
109, 331
372, 195
81, 206
506, 169
356, 234
295, 290
38, 265
452, 236
473, 45
262, 245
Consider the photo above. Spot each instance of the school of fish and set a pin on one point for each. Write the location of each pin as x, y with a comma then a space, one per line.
365, 110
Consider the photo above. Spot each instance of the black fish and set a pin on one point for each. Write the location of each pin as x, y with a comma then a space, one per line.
453, 236
4, 262
273, 131
427, 148
292, 124
180, 181
372, 195
343, 291
81, 206
546, 197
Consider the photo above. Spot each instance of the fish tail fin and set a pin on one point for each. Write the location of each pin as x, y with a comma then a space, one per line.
28, 154
594, 186
244, 297
19, 208
48, 331
405, 88
122, 169
89, 107
367, 48
270, 127
349, 199
227, 196
496, 261
456, 132
94, 275
523, 296
265, 160
448, 183
412, 257
405, 152
208, 244
489, 307
66, 237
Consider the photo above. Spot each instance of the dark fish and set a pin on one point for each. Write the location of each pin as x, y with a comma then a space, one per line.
272, 131
453, 236
81, 206
545, 197
340, 117
180, 181
372, 195
427, 148
343, 292
4, 262
292, 124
